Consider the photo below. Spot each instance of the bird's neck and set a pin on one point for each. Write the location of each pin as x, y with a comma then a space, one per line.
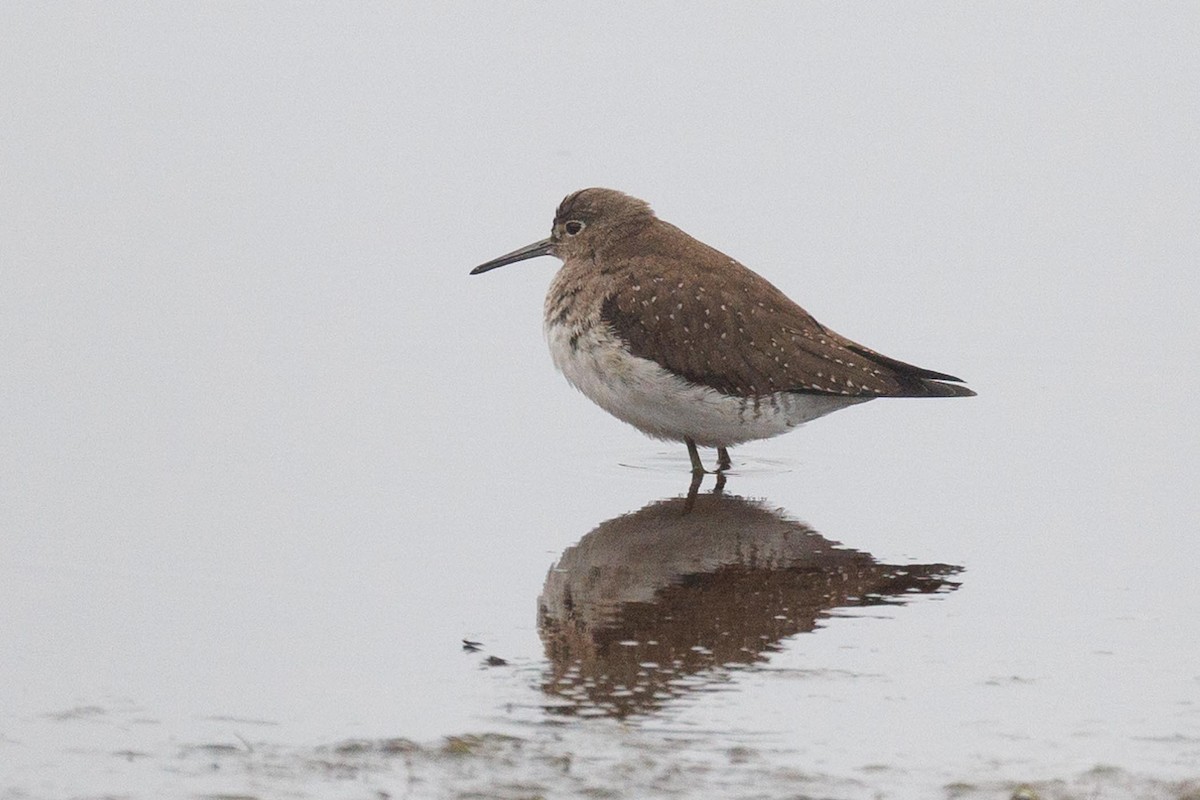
577, 293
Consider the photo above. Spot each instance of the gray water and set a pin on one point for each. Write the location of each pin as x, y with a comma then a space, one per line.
268, 456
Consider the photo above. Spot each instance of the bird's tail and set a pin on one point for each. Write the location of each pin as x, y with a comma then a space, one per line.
930, 388
917, 381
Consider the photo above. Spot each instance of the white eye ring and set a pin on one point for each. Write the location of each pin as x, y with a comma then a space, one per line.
573, 227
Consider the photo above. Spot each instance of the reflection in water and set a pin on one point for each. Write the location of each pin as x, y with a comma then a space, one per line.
653, 604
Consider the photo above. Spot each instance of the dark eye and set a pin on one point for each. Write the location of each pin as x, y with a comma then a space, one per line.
573, 227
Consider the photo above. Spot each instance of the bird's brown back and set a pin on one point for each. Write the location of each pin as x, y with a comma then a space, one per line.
703, 316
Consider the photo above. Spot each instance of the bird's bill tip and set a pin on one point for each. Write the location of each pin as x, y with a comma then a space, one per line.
542, 248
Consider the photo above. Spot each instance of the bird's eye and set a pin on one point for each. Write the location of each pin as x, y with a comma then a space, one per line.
573, 227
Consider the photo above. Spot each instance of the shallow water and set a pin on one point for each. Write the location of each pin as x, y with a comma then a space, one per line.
292, 506
713, 645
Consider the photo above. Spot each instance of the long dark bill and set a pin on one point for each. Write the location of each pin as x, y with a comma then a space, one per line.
542, 248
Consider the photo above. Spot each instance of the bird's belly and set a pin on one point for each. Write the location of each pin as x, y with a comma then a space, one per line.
663, 405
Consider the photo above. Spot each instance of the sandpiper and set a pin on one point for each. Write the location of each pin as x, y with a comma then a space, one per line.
684, 343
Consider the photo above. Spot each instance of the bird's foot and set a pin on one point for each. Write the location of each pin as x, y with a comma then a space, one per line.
694, 488
723, 460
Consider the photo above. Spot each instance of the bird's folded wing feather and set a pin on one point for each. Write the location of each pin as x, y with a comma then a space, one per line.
743, 337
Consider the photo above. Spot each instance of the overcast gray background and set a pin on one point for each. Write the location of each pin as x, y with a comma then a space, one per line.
267, 452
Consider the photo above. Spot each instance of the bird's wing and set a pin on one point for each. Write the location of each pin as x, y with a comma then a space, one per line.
740, 335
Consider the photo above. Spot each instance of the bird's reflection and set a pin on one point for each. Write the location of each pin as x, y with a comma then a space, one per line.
665, 600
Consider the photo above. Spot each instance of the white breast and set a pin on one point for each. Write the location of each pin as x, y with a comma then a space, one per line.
665, 406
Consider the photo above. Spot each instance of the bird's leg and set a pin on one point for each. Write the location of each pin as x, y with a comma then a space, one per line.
723, 462
694, 455
720, 487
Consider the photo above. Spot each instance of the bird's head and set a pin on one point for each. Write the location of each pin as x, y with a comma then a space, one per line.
583, 222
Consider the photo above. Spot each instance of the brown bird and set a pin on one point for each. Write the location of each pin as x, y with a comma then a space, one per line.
684, 343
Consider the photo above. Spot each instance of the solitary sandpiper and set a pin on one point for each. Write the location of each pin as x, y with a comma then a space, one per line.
684, 343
